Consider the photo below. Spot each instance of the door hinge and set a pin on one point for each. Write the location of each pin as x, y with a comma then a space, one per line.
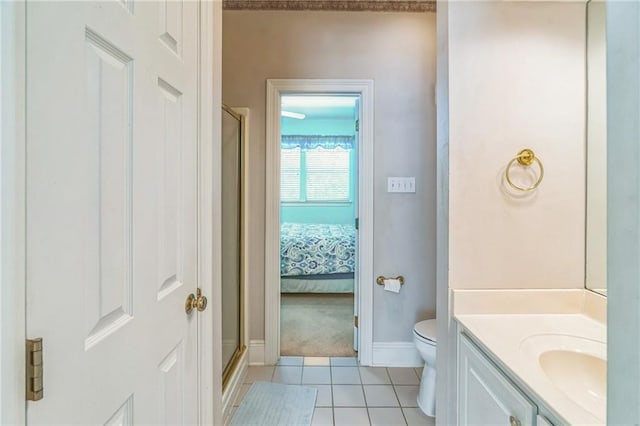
357, 224
34, 371
355, 321
357, 125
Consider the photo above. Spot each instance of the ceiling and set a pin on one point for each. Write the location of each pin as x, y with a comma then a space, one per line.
341, 5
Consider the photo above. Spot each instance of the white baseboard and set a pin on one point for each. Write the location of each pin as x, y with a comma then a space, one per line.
233, 388
396, 354
256, 352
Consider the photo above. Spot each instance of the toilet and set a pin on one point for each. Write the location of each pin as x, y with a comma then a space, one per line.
424, 336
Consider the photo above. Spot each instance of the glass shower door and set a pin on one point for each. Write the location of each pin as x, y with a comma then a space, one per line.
232, 297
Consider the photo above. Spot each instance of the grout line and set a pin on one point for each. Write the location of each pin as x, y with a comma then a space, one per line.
406, 422
364, 395
417, 374
389, 376
400, 404
333, 403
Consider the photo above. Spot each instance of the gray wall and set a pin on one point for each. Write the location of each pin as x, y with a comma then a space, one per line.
397, 51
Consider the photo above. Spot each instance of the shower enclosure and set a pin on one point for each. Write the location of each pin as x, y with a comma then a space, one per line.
232, 236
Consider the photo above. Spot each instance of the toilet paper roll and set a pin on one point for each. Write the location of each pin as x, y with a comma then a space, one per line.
392, 285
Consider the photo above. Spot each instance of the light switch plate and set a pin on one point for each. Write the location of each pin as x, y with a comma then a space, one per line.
401, 184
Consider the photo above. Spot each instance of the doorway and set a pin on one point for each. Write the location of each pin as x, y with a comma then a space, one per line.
319, 190
318, 200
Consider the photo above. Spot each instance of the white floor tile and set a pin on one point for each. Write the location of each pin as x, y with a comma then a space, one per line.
380, 396
316, 375
293, 361
323, 398
259, 373
374, 376
322, 417
288, 375
241, 393
348, 396
351, 416
386, 417
345, 376
408, 395
403, 376
316, 361
344, 361
347, 402
415, 417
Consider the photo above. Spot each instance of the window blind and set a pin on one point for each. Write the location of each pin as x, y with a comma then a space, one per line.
327, 174
290, 174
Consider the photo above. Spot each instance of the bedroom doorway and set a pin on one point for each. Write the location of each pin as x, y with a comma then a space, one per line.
362, 154
318, 205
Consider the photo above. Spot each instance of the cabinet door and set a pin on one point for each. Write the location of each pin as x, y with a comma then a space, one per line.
543, 421
485, 395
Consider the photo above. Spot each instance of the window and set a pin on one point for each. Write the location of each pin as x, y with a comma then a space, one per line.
290, 174
315, 175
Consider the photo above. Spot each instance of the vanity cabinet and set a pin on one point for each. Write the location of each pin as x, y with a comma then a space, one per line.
485, 395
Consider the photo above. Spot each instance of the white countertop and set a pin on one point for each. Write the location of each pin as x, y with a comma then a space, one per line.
501, 335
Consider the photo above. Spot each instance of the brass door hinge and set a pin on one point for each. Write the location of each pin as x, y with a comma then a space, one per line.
34, 371
355, 321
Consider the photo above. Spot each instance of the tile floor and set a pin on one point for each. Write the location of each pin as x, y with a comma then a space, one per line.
348, 394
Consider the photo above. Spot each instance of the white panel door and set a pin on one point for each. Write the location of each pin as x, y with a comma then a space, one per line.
111, 210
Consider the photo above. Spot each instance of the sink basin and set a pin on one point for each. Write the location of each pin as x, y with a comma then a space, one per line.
575, 365
582, 377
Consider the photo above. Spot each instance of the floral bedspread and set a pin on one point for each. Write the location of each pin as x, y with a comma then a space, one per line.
311, 249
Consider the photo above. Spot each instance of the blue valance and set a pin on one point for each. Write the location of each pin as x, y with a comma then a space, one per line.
317, 141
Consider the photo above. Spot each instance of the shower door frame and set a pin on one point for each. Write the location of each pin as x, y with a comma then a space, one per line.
275, 89
236, 359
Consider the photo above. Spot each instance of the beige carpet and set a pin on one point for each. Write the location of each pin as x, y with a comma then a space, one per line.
316, 325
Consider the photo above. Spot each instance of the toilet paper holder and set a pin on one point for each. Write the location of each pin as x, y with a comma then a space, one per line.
380, 279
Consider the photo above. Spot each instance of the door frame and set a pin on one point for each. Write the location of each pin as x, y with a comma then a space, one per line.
210, 212
13, 211
276, 88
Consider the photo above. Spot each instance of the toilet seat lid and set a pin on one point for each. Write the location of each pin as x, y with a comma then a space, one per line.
426, 329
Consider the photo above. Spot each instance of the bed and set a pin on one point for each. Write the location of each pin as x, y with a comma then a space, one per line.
317, 258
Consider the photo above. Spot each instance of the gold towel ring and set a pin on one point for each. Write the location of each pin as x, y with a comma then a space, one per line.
526, 157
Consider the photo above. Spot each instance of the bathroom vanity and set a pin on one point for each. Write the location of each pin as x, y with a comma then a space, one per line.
487, 395
531, 357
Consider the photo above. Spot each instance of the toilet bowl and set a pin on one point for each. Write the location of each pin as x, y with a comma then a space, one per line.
424, 336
